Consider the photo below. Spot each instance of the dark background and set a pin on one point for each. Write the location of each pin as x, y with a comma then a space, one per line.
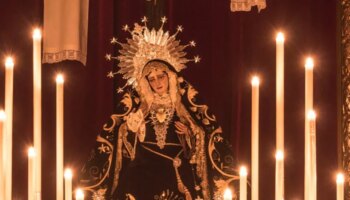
233, 47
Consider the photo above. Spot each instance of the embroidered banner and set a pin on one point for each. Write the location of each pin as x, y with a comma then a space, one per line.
246, 5
65, 30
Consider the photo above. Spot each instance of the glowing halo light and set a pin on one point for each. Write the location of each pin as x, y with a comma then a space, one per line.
255, 81
31, 152
280, 37
2, 115
9, 62
79, 194
279, 155
309, 63
59, 78
37, 33
311, 115
227, 194
68, 174
340, 178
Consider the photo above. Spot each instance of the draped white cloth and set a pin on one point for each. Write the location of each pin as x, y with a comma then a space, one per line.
65, 30
246, 5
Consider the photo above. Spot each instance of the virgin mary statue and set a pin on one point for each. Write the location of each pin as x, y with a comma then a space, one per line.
162, 144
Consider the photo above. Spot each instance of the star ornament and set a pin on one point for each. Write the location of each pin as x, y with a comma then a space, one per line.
110, 74
144, 19
192, 43
180, 28
197, 59
114, 40
108, 56
125, 27
163, 19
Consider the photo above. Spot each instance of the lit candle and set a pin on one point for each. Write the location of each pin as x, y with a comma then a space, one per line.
9, 64
243, 183
255, 138
340, 186
279, 190
312, 137
68, 184
79, 194
59, 137
31, 172
2, 161
309, 65
280, 101
227, 194
37, 108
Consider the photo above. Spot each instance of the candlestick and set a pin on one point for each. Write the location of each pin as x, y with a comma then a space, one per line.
37, 107
31, 172
280, 101
59, 136
243, 183
255, 138
340, 186
227, 194
279, 190
312, 137
68, 184
9, 64
2, 161
79, 194
309, 64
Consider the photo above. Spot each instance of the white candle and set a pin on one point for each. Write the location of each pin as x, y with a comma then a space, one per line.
2, 161
340, 186
31, 172
280, 102
68, 184
309, 64
255, 138
312, 137
227, 194
59, 137
9, 64
243, 183
79, 194
37, 108
279, 190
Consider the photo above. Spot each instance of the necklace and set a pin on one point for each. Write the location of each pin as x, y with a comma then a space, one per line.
161, 114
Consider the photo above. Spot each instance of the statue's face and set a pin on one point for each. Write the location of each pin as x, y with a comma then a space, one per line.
158, 81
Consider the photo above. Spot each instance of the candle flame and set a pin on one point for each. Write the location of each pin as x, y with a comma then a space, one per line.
255, 81
280, 37
31, 152
311, 115
227, 194
243, 171
279, 155
68, 174
79, 194
9, 62
37, 33
340, 178
2, 115
59, 78
309, 63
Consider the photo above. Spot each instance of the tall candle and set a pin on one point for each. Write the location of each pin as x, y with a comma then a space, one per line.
340, 186
37, 108
280, 101
59, 137
2, 161
309, 65
68, 184
255, 138
227, 194
243, 183
79, 194
279, 190
312, 137
9, 64
31, 172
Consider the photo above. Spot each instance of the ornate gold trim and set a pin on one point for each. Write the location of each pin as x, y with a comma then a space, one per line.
345, 90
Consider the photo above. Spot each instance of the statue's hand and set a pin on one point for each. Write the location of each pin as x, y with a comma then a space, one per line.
181, 128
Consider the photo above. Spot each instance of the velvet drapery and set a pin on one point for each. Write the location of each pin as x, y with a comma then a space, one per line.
233, 46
